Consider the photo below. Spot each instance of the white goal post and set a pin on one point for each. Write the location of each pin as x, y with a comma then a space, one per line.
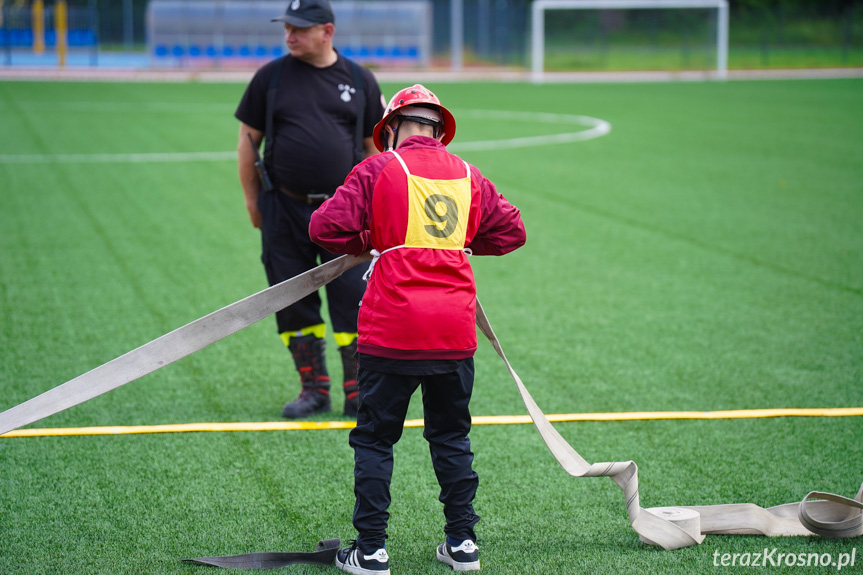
540, 7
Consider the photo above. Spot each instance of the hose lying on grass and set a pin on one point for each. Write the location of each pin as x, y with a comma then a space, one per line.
676, 527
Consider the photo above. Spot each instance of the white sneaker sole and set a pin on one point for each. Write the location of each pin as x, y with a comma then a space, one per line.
456, 566
359, 570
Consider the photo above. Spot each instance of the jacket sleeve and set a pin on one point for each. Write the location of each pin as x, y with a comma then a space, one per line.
341, 224
501, 229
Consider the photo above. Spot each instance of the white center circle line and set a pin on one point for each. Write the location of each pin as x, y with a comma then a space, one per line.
595, 129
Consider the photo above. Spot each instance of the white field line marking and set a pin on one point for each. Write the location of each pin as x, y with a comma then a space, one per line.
595, 129
132, 107
159, 157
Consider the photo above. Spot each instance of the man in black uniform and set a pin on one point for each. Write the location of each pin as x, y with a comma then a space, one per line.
315, 110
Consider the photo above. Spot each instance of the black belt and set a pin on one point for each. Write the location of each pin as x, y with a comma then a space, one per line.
307, 198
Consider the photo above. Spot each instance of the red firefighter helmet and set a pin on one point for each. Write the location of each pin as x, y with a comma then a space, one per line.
419, 96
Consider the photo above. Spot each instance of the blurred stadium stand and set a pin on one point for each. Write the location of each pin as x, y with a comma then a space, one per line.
493, 33
196, 33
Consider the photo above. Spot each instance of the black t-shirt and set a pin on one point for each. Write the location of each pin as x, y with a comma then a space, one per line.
314, 121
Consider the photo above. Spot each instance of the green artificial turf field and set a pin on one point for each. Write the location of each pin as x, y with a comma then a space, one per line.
706, 254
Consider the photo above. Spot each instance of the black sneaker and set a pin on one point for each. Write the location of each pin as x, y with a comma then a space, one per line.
352, 560
464, 557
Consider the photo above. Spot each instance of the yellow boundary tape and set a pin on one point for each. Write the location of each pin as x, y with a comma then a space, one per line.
478, 420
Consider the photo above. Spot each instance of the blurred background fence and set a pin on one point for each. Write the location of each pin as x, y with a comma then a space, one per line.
763, 34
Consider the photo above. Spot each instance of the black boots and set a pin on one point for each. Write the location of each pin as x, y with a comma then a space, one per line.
349, 365
314, 398
308, 353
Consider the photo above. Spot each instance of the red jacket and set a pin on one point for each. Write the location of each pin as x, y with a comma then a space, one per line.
425, 206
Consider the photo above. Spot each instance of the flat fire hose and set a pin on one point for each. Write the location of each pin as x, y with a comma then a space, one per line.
176, 345
830, 515
324, 554
819, 513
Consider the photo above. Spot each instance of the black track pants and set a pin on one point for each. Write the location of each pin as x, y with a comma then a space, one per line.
384, 400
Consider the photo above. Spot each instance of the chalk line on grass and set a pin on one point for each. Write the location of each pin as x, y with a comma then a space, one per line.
595, 129
145, 158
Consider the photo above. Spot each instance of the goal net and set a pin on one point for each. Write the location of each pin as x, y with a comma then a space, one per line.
626, 35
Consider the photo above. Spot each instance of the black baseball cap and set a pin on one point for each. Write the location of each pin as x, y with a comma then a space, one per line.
307, 13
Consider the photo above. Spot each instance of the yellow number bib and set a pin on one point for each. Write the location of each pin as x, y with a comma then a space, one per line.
437, 211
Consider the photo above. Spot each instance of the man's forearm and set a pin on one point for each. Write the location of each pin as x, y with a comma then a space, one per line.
246, 158
249, 180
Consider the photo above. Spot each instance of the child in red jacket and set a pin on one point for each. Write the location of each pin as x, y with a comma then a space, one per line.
421, 211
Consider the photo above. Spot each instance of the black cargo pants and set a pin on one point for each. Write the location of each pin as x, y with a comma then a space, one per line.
288, 251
